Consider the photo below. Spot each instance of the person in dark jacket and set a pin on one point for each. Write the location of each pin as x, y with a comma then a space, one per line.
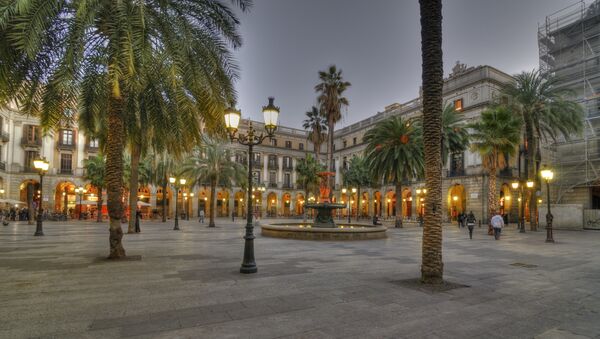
470, 223
138, 216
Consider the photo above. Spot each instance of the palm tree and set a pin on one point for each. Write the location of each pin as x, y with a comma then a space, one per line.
331, 101
161, 167
546, 115
394, 153
212, 163
433, 81
358, 175
93, 58
94, 173
494, 136
306, 175
317, 129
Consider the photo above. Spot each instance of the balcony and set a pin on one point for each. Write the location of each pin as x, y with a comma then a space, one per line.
26, 142
64, 146
272, 185
287, 185
288, 167
67, 171
4, 136
91, 149
257, 164
457, 172
272, 165
27, 169
506, 172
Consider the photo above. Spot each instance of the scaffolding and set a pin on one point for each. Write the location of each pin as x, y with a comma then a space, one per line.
569, 48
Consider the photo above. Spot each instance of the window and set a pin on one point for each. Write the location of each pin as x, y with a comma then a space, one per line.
354, 141
288, 144
274, 142
344, 143
256, 157
66, 137
345, 163
287, 162
94, 143
30, 156
256, 178
334, 147
272, 178
272, 161
240, 158
65, 162
458, 105
301, 146
33, 133
287, 180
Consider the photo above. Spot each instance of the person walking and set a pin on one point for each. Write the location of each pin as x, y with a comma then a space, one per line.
497, 224
471, 223
201, 214
138, 216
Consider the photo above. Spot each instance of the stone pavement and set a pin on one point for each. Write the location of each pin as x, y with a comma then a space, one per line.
187, 285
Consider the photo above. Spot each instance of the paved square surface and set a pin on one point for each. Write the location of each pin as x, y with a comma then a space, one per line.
187, 285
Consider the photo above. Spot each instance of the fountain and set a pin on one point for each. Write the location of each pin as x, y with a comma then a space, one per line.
324, 227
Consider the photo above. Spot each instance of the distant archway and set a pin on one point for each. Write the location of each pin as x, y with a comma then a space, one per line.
406, 203
299, 207
272, 204
223, 203
390, 203
377, 203
457, 201
239, 203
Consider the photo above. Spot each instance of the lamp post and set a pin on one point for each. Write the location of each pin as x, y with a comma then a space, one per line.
188, 206
251, 139
182, 182
548, 175
42, 166
185, 207
80, 191
521, 219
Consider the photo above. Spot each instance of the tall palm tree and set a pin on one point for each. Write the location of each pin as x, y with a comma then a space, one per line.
94, 173
331, 101
162, 166
547, 115
394, 153
358, 175
212, 163
494, 136
91, 57
433, 81
317, 129
306, 175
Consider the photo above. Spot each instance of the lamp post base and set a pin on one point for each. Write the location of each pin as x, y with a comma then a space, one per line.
38, 233
248, 268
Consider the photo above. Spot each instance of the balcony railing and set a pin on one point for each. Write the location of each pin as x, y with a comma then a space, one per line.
90, 148
288, 185
272, 165
62, 145
456, 173
287, 167
4, 136
257, 164
272, 185
26, 142
27, 169
65, 171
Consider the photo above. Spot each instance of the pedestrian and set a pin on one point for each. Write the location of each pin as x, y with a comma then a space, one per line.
470, 223
497, 224
201, 216
233, 216
459, 219
138, 216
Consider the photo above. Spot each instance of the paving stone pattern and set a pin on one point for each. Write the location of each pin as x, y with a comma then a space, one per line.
187, 285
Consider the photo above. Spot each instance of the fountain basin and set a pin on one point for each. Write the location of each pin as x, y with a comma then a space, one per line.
305, 231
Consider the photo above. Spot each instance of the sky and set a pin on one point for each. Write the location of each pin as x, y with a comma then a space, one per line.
377, 45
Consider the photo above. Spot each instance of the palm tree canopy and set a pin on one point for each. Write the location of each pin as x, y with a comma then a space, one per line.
538, 99
331, 90
394, 150
62, 57
211, 163
316, 126
306, 170
94, 170
358, 173
495, 134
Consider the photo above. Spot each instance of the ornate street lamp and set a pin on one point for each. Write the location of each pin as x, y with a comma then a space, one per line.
42, 166
80, 191
173, 182
548, 175
251, 139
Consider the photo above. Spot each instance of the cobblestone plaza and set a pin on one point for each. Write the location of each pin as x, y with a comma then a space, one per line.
186, 285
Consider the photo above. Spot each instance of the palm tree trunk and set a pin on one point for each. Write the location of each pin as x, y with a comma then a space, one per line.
531, 171
164, 200
330, 124
398, 204
358, 202
492, 193
211, 212
133, 185
114, 175
317, 151
305, 200
99, 205
432, 267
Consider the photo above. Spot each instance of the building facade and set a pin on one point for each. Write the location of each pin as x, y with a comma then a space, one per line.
469, 90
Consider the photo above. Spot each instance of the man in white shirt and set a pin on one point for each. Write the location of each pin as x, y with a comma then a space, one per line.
497, 224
